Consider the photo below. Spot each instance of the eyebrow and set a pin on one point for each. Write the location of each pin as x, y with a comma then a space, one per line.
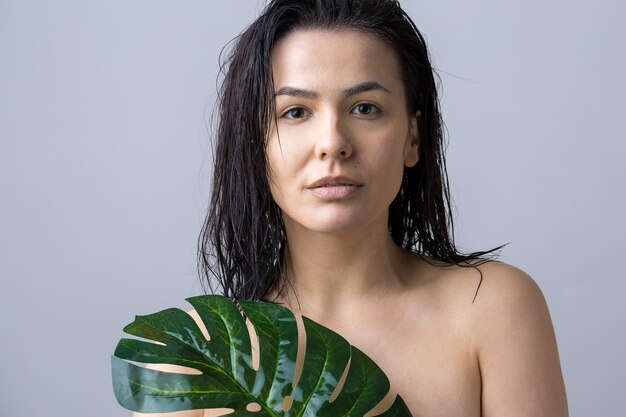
363, 87
296, 92
350, 91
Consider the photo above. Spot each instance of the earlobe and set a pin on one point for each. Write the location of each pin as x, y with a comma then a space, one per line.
413, 142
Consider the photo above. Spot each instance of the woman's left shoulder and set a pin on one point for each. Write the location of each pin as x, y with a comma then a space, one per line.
512, 337
505, 286
492, 292
486, 285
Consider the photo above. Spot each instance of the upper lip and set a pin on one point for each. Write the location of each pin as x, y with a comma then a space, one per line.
334, 180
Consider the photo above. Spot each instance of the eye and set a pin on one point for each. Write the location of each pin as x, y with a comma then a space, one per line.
295, 113
365, 109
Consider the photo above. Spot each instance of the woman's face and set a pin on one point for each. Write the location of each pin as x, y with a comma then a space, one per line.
342, 135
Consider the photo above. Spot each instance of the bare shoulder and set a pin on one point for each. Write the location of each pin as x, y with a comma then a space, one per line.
505, 287
504, 323
507, 299
512, 338
494, 297
484, 284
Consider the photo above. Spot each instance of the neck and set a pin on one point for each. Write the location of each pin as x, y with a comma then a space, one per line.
332, 271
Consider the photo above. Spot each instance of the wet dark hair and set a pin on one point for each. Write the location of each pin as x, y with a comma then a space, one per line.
243, 240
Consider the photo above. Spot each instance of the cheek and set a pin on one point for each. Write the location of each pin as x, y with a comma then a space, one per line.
288, 156
278, 160
388, 160
390, 150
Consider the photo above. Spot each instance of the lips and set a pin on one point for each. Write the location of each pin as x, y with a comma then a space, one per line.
338, 181
334, 188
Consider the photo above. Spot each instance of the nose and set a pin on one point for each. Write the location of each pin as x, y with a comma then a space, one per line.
334, 139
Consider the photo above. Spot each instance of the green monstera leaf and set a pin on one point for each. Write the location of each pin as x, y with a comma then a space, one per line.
336, 379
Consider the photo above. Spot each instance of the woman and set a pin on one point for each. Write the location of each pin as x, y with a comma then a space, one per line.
330, 197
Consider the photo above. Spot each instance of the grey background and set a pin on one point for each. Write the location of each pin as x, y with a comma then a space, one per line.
105, 165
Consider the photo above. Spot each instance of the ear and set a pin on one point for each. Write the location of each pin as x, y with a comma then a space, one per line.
412, 148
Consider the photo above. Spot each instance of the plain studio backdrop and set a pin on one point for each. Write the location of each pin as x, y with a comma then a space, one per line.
105, 174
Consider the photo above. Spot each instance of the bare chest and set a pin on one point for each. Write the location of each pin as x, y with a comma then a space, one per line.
430, 366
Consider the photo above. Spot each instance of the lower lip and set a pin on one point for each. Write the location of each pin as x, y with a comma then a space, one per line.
335, 192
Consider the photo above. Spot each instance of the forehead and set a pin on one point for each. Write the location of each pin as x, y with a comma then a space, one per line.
325, 58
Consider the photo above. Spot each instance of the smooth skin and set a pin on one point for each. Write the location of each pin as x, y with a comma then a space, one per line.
341, 113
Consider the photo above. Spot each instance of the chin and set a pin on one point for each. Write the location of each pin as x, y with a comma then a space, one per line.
335, 223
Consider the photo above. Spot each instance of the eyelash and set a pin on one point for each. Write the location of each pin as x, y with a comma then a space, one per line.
287, 112
373, 109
